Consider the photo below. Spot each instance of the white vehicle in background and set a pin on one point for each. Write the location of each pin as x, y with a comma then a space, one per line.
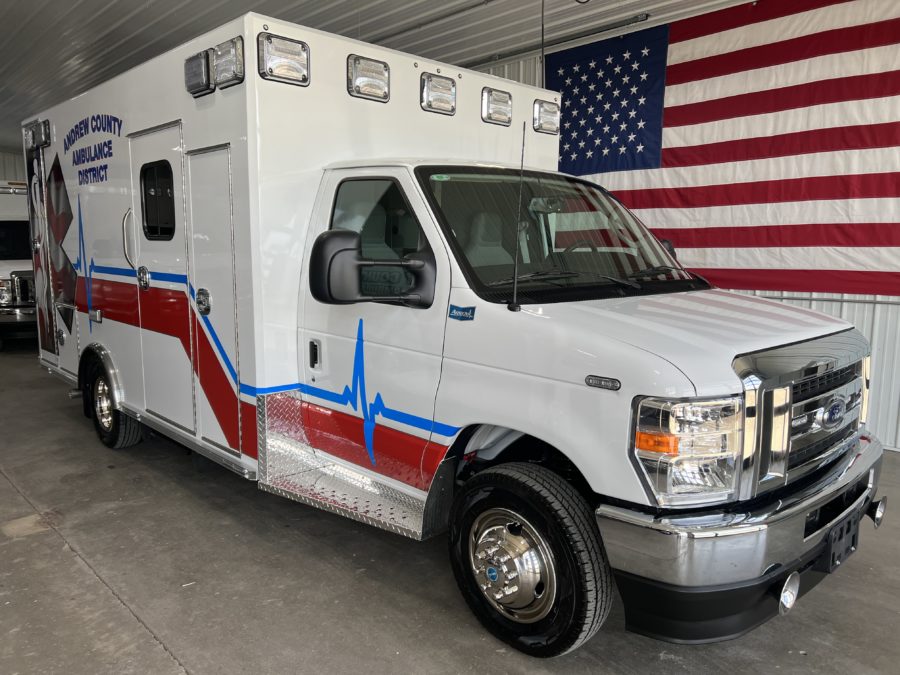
355, 277
17, 313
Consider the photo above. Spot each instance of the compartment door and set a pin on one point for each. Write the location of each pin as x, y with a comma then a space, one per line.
161, 263
40, 239
213, 294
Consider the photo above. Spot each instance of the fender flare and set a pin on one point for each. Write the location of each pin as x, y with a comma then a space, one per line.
102, 353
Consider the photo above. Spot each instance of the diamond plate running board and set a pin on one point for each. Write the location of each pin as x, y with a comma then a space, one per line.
290, 467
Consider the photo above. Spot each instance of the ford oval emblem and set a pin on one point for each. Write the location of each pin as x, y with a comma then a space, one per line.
833, 413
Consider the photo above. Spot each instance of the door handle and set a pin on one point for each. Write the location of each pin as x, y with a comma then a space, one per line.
314, 348
204, 302
143, 278
125, 238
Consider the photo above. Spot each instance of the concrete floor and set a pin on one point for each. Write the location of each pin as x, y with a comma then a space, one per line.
135, 562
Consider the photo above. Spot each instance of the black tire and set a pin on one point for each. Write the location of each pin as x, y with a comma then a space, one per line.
121, 431
583, 590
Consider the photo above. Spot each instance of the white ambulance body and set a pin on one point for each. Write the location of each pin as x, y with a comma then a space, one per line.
205, 225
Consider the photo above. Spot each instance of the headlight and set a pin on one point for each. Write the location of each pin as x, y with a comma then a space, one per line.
5, 292
689, 450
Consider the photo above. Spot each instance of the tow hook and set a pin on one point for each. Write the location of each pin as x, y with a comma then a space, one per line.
876, 511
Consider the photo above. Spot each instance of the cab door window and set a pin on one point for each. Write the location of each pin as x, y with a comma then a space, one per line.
377, 209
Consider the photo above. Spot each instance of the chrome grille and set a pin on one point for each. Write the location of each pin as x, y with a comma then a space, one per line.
803, 404
23, 287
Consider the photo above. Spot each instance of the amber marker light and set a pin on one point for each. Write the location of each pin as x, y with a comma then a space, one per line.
665, 444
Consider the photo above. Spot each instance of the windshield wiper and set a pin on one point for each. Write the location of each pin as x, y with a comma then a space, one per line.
552, 273
556, 273
659, 269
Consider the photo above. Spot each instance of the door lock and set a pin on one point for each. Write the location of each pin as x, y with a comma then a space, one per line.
204, 302
60, 336
143, 277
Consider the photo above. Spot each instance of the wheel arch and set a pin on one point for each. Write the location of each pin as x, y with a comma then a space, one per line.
97, 353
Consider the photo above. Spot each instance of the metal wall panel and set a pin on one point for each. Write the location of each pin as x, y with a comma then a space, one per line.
12, 166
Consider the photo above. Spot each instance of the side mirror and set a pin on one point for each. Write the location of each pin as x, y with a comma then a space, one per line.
336, 269
670, 248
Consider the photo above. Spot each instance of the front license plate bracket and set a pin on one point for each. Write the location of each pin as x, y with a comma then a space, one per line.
841, 542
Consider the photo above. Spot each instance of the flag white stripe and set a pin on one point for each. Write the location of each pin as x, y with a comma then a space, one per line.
849, 64
841, 163
804, 258
785, 213
785, 28
829, 115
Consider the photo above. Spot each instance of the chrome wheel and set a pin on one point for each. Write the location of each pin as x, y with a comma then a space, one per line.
103, 408
513, 565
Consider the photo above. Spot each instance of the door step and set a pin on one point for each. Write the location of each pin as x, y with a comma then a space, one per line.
290, 467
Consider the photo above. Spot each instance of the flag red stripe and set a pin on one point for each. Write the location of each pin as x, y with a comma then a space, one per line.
836, 41
742, 15
875, 85
860, 137
858, 186
817, 234
816, 281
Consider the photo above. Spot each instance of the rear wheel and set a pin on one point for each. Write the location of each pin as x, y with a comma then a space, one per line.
528, 559
115, 429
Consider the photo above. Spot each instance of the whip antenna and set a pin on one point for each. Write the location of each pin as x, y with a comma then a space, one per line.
513, 305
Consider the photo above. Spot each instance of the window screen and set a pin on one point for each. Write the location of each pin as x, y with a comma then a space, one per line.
158, 200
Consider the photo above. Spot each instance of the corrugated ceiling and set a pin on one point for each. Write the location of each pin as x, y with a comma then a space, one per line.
51, 50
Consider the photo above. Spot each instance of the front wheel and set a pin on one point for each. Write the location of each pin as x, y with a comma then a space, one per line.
528, 559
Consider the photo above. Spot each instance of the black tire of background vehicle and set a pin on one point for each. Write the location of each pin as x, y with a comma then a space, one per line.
564, 519
124, 431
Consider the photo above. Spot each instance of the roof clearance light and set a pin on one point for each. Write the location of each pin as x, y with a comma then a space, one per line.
37, 135
496, 106
229, 62
196, 75
438, 94
368, 78
546, 117
283, 60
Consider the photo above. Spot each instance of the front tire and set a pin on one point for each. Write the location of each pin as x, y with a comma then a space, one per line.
528, 559
115, 429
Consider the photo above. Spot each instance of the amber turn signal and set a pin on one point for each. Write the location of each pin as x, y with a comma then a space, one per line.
666, 444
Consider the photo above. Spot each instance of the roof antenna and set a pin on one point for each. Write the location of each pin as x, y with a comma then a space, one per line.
513, 305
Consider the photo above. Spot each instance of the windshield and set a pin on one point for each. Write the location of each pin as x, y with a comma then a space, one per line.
14, 240
574, 239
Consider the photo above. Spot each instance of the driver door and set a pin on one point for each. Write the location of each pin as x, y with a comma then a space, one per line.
372, 368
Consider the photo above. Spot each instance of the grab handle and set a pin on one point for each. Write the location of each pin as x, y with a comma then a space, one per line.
125, 238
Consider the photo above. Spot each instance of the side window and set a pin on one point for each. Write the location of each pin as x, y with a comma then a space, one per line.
377, 209
158, 200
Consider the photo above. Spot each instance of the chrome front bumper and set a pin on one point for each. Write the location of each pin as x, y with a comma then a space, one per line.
721, 548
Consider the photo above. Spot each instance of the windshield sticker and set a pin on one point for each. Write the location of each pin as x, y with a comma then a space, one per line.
462, 313
440, 177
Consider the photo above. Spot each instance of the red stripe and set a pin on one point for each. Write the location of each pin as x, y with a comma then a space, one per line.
836, 41
815, 281
860, 186
217, 386
858, 87
117, 300
248, 429
397, 455
823, 234
743, 15
860, 137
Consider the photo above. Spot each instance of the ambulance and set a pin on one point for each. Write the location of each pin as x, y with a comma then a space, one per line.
356, 277
17, 307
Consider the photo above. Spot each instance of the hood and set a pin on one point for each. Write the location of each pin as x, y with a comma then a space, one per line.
699, 332
7, 267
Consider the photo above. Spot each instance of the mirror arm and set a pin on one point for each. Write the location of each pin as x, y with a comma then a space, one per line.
409, 264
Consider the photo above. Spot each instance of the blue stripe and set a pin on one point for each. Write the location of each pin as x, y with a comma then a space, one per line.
353, 396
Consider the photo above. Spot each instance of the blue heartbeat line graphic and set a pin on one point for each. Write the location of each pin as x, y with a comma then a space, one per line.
354, 395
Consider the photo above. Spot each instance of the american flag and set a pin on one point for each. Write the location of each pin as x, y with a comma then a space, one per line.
762, 140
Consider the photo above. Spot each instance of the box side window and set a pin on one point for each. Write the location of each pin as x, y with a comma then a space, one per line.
158, 200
